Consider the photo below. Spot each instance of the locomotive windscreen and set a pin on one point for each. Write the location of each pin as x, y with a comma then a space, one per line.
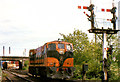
61, 46
69, 47
52, 46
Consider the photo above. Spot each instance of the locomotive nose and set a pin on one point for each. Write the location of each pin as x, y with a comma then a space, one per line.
61, 56
61, 51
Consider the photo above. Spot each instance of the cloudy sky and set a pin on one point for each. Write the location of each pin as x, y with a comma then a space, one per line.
27, 24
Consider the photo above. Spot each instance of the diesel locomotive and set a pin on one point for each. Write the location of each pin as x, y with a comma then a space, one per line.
54, 59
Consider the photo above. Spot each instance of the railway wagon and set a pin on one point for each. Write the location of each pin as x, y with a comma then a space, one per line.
54, 59
10, 65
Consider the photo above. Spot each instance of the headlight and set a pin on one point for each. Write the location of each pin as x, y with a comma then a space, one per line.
61, 52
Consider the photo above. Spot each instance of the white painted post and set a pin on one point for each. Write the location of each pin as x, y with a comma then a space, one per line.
104, 55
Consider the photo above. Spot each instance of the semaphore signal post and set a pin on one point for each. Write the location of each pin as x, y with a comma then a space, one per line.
102, 31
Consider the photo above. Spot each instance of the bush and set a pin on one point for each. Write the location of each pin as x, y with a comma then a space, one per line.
26, 65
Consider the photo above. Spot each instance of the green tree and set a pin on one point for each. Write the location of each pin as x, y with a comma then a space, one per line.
26, 65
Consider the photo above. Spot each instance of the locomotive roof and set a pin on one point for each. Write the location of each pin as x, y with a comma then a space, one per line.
34, 50
59, 41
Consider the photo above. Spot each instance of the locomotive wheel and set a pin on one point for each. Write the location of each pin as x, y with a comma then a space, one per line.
32, 71
51, 71
70, 72
43, 72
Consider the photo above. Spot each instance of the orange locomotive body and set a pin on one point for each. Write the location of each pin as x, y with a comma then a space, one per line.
53, 59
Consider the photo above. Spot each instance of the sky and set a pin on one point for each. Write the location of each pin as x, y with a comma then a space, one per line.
28, 24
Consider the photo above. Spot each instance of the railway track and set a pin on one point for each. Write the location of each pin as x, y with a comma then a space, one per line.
22, 76
15, 77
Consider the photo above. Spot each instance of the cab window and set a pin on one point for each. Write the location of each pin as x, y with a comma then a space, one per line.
61, 46
44, 49
31, 53
52, 46
69, 47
